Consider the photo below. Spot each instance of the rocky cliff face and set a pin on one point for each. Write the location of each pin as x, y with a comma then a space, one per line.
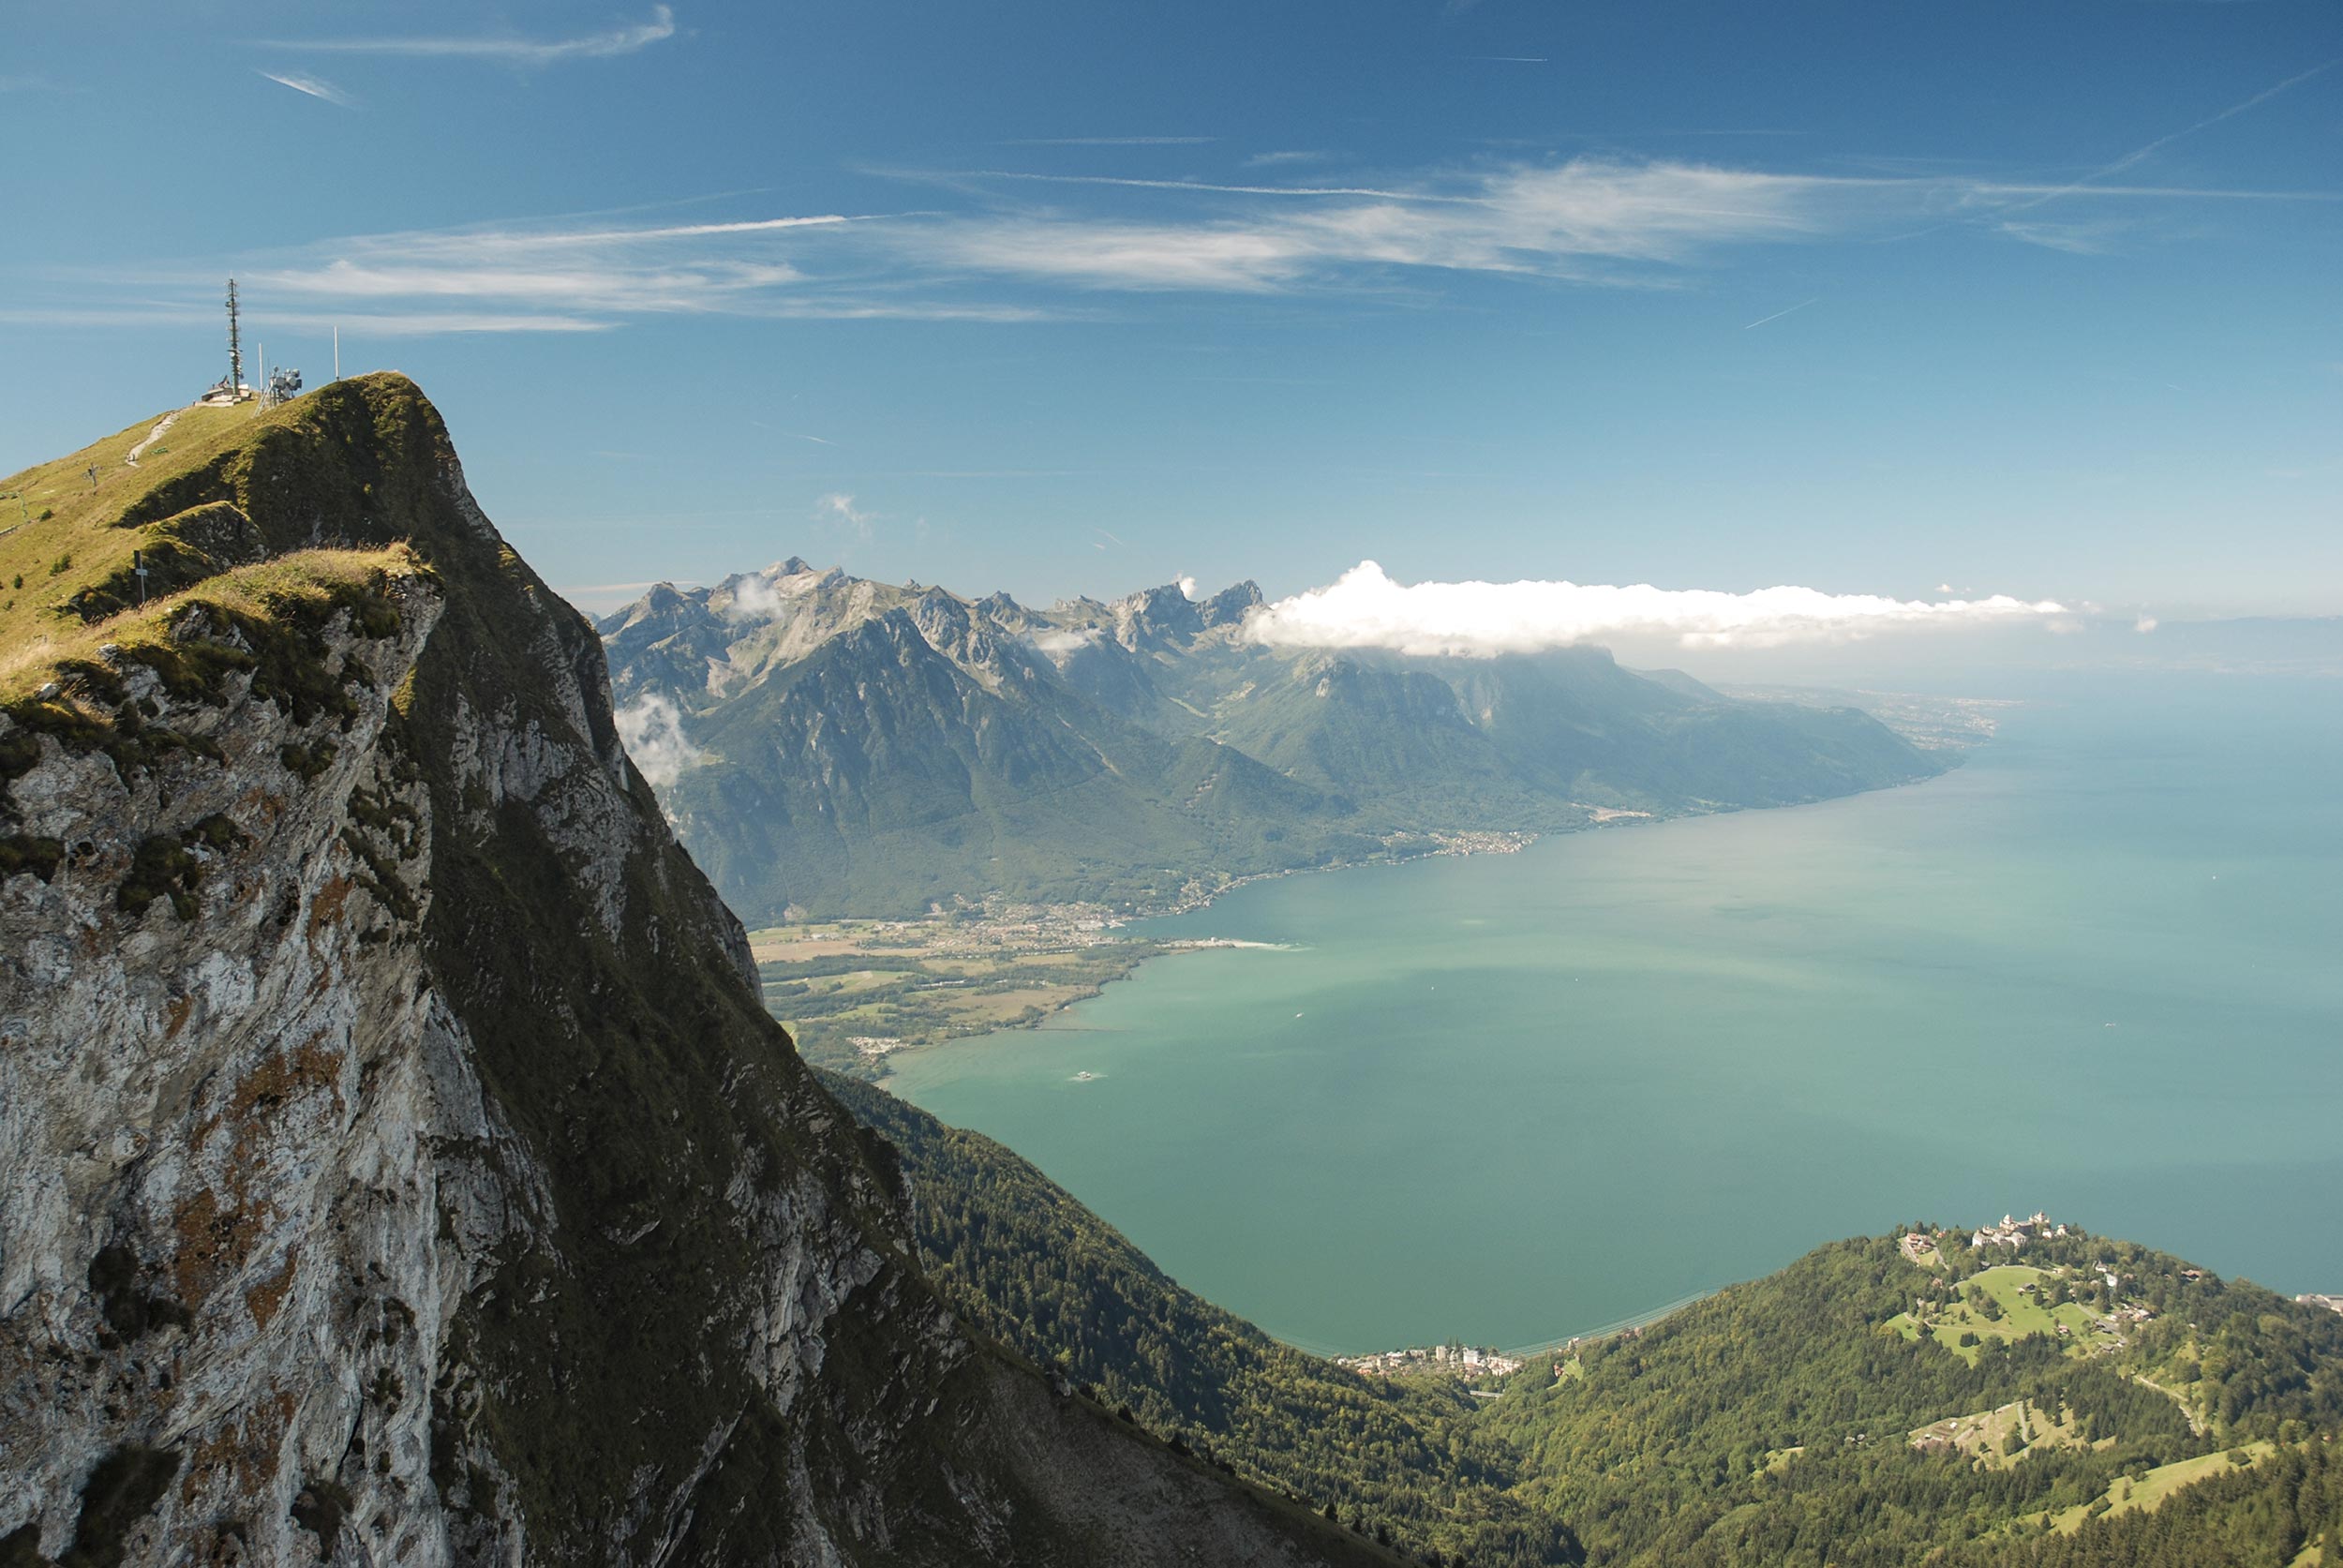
396, 1164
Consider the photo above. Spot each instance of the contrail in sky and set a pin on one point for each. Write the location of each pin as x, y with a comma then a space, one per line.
317, 87
1779, 314
2136, 153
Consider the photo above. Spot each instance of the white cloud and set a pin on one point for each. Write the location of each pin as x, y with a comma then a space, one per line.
519, 52
599, 274
618, 288
1365, 608
766, 595
1057, 643
754, 597
651, 729
1187, 589
839, 508
2144, 624
1589, 220
366, 323
316, 86
2075, 239
1110, 142
1579, 219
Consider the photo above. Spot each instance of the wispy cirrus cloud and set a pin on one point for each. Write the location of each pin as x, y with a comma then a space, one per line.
1010, 246
1583, 220
402, 324
1587, 219
315, 86
653, 288
511, 51
547, 276
2075, 239
1110, 142
841, 509
1365, 608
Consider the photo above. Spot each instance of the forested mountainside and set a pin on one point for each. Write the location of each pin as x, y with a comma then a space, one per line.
1908, 1401
831, 745
396, 1163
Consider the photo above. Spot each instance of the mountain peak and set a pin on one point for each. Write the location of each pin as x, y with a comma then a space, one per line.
1230, 605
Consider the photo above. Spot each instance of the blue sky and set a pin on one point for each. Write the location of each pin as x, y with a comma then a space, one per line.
1061, 298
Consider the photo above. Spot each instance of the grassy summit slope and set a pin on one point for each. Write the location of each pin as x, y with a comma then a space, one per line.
207, 503
227, 509
220, 488
1792, 1419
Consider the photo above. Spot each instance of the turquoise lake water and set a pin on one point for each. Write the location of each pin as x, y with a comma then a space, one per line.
2098, 969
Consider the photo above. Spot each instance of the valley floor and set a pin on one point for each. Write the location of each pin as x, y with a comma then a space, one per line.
854, 991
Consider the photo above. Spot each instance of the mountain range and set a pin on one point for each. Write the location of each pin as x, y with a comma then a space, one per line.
827, 745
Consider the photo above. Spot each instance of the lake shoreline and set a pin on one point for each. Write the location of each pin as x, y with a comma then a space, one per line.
1514, 842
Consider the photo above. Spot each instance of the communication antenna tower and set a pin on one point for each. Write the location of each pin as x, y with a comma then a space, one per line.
236, 348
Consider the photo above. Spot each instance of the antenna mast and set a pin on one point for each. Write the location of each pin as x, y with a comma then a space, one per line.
236, 348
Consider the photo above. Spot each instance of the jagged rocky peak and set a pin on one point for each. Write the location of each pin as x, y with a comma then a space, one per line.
1007, 613
958, 630
665, 611
1156, 618
1166, 617
663, 602
396, 1162
1230, 606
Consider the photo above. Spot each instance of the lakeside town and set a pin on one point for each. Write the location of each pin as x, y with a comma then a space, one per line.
1441, 1361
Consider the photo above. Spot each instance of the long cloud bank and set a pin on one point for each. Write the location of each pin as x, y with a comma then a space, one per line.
1365, 608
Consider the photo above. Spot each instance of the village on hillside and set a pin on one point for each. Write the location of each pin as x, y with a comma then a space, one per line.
2087, 1307
2015, 1233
